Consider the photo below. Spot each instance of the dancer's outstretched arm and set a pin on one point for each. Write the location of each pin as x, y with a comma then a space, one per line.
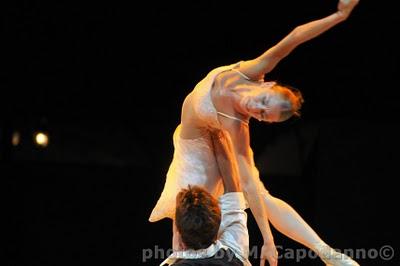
237, 139
258, 67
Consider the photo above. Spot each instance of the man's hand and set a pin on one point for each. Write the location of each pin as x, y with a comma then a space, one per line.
346, 6
269, 253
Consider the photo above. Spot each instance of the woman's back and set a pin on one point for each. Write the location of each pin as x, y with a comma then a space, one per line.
194, 161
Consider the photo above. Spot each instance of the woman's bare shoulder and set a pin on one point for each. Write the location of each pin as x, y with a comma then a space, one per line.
227, 79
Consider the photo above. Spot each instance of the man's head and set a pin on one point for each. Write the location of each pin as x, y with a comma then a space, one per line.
197, 217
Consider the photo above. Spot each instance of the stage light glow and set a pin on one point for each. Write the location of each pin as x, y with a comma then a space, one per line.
41, 139
15, 138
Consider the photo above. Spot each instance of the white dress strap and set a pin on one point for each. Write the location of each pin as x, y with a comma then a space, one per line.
234, 118
240, 73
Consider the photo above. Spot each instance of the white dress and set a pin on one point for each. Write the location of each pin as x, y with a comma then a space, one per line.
193, 162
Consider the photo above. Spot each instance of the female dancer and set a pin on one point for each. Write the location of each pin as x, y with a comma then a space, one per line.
224, 101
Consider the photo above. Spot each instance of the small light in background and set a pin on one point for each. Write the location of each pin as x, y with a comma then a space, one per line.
41, 139
15, 138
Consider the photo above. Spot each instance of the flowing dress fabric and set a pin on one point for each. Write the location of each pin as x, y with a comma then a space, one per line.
193, 162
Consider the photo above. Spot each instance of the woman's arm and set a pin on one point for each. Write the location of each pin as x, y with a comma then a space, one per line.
237, 136
257, 68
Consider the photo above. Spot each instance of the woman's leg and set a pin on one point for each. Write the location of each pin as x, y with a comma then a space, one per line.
287, 221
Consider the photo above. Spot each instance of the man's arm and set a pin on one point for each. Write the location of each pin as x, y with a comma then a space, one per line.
237, 137
233, 229
234, 158
228, 168
257, 68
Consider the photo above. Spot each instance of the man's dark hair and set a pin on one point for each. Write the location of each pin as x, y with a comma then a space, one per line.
197, 217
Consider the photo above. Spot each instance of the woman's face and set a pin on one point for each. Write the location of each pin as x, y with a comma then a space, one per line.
265, 104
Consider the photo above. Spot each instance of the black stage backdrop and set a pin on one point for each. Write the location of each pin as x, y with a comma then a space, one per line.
106, 82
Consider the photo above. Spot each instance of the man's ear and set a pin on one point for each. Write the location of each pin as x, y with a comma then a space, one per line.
177, 240
182, 245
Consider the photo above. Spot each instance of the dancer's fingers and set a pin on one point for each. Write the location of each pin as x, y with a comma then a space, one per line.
273, 261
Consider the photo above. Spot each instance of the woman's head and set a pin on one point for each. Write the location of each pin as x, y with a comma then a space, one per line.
271, 102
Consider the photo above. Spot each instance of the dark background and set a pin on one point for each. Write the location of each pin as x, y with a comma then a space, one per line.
106, 81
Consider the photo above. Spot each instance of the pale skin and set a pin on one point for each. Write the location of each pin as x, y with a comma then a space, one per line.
226, 99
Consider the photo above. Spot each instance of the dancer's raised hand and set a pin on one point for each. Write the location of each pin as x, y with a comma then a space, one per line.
346, 6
